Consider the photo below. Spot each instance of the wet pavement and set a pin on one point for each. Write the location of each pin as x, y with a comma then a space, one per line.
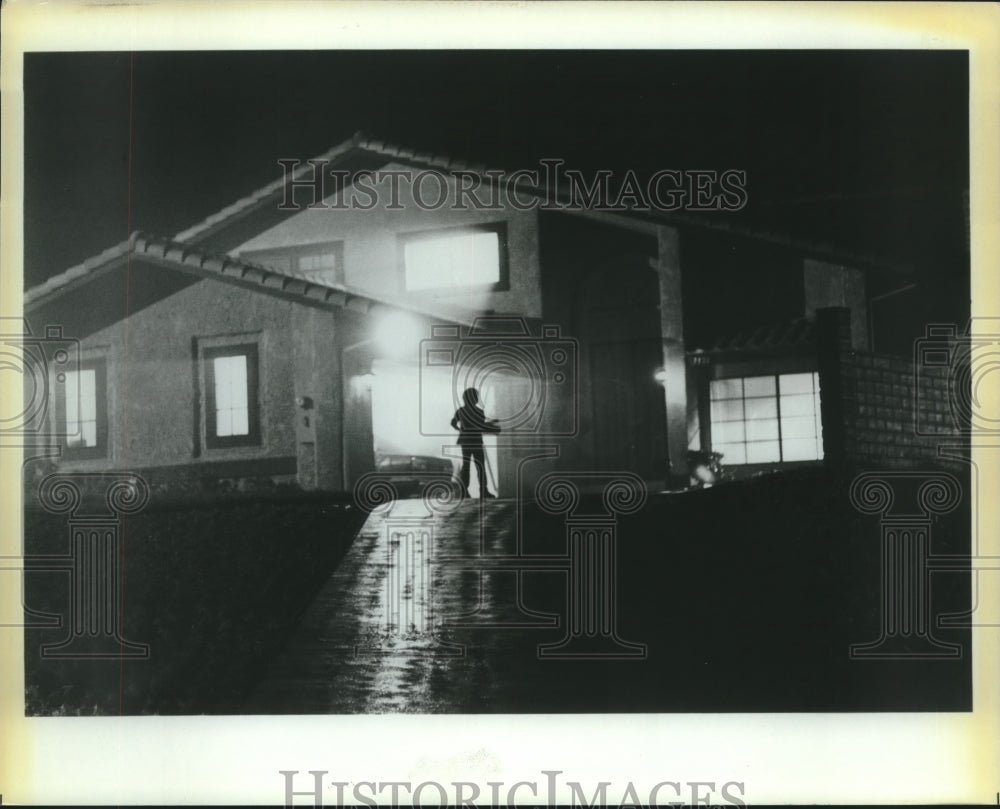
415, 619
509, 607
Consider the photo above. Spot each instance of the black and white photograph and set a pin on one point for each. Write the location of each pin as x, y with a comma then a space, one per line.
525, 381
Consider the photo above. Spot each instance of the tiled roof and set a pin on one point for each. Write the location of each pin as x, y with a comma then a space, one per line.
788, 334
359, 142
81, 270
362, 144
177, 255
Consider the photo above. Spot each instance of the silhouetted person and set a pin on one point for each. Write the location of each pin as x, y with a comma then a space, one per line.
471, 423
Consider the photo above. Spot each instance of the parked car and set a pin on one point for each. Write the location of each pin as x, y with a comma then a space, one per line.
410, 473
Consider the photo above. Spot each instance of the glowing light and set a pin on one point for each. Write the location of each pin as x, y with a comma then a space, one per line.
398, 335
660, 376
452, 260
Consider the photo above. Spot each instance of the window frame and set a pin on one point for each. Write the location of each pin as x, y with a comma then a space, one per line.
776, 376
295, 253
100, 449
502, 283
253, 436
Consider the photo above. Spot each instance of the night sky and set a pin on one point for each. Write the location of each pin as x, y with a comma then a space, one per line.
865, 150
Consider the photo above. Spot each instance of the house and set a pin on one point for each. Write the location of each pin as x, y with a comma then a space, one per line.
336, 315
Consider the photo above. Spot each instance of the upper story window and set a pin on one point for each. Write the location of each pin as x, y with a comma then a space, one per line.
322, 262
231, 401
455, 258
82, 410
765, 419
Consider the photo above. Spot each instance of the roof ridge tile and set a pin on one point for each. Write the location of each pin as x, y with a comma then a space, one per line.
183, 254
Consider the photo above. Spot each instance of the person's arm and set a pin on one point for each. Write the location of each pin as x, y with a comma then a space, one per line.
483, 424
454, 421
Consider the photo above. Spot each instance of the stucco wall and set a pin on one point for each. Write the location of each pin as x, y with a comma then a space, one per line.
371, 252
155, 390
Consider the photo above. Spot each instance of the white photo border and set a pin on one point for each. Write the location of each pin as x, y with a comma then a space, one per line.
826, 758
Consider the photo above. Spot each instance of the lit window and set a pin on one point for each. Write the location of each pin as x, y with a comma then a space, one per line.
801, 422
323, 262
766, 419
232, 407
81, 410
318, 263
454, 258
231, 382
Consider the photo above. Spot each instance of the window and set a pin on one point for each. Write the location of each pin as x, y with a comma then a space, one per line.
455, 258
763, 419
82, 410
231, 416
322, 262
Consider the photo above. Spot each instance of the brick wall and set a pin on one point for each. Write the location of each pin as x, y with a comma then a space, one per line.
880, 412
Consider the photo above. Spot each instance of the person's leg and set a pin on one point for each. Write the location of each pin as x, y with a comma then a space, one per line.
463, 476
479, 456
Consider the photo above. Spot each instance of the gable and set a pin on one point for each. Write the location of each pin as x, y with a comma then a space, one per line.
106, 295
263, 209
147, 269
367, 223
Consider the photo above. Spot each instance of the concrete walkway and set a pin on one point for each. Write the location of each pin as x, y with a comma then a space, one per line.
696, 615
409, 621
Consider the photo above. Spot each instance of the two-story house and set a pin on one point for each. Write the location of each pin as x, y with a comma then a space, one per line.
325, 320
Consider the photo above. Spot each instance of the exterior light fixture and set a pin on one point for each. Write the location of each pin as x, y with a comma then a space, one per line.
397, 335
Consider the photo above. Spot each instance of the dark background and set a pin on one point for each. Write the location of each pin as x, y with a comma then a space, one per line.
865, 151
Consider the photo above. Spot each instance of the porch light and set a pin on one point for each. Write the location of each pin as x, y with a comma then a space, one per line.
397, 334
660, 376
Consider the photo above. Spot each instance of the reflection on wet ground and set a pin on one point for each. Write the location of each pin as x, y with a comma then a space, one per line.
407, 623
739, 598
